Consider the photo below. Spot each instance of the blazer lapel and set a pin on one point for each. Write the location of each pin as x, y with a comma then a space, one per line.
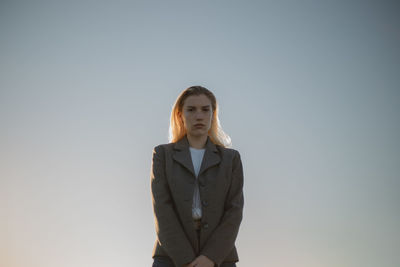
182, 155
211, 156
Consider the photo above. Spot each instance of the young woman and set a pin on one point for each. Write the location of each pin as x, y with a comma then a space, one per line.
197, 187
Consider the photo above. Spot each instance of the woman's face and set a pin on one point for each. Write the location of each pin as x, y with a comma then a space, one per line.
197, 115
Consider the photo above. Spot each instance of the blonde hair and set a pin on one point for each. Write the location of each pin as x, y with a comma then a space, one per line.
176, 128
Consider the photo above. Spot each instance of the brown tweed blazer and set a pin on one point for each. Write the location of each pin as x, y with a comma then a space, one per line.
221, 190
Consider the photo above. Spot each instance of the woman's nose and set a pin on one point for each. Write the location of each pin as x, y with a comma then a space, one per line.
199, 115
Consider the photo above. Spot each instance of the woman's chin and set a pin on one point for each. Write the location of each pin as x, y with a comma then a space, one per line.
198, 133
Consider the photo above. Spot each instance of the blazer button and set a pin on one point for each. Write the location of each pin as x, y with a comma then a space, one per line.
205, 203
205, 225
202, 183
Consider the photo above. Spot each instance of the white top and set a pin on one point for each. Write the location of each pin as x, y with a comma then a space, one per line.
197, 158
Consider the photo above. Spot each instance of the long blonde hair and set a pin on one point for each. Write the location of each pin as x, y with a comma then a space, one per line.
176, 128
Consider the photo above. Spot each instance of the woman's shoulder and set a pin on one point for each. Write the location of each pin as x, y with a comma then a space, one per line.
228, 151
163, 146
223, 151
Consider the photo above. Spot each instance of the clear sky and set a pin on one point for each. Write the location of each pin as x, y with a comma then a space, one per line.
308, 91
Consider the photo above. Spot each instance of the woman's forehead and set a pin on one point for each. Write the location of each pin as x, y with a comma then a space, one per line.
197, 100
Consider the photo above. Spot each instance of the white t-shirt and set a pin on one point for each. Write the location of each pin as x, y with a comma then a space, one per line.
197, 158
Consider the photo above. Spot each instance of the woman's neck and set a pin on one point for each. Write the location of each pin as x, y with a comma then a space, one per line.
197, 141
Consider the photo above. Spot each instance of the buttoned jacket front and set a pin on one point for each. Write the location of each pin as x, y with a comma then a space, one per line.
221, 190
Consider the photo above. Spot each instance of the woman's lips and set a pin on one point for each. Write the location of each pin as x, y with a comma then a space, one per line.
199, 125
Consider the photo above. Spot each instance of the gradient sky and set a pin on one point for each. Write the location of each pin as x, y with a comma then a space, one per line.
308, 91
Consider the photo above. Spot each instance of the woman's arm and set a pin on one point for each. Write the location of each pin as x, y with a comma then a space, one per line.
223, 238
169, 230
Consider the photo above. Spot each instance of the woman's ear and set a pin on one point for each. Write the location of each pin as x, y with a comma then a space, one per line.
180, 116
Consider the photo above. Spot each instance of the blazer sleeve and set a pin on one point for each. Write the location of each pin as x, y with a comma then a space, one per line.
222, 240
169, 231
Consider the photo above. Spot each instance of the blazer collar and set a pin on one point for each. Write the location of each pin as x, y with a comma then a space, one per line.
183, 156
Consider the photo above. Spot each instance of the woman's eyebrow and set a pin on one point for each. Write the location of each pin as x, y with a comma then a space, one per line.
202, 106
